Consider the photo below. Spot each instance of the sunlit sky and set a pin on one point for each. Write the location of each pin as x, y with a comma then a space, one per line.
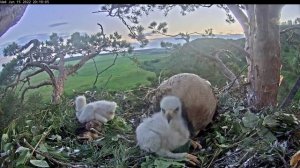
39, 19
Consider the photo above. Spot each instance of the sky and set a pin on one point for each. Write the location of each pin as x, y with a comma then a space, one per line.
45, 19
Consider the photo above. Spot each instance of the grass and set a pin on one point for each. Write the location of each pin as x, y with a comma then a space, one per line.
125, 74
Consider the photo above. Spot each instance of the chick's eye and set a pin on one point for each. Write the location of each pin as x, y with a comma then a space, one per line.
177, 109
163, 110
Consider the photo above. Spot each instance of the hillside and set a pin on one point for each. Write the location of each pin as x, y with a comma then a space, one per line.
192, 60
124, 75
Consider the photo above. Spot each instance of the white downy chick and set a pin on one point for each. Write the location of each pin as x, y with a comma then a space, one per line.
165, 131
102, 110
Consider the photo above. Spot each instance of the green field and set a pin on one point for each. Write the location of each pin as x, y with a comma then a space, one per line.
125, 74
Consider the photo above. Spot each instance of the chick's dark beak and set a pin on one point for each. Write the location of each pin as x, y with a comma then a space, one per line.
169, 117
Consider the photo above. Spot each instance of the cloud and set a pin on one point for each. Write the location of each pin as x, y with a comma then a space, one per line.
58, 24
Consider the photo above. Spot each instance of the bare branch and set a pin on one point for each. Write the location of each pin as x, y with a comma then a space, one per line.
82, 61
115, 6
227, 87
45, 68
247, 55
222, 67
288, 99
117, 14
25, 79
290, 29
55, 67
99, 73
34, 73
51, 61
225, 70
183, 36
101, 28
104, 86
44, 83
92, 53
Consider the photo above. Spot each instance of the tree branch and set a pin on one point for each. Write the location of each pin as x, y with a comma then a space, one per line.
233, 82
51, 61
222, 67
290, 29
288, 99
44, 83
55, 67
104, 86
25, 79
99, 73
185, 36
45, 68
115, 6
247, 55
82, 61
92, 53
241, 17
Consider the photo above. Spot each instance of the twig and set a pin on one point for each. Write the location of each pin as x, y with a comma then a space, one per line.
281, 158
96, 72
124, 138
44, 83
186, 36
243, 157
215, 57
159, 77
99, 73
93, 129
215, 155
106, 83
47, 156
232, 82
41, 139
289, 29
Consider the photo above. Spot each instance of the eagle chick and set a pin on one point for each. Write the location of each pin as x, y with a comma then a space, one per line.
165, 131
101, 110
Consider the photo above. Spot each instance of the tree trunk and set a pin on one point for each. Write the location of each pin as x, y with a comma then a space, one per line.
58, 91
263, 45
292, 94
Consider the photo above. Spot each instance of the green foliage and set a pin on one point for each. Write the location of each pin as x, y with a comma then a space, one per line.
240, 137
8, 73
79, 41
12, 108
11, 49
290, 58
33, 127
152, 161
